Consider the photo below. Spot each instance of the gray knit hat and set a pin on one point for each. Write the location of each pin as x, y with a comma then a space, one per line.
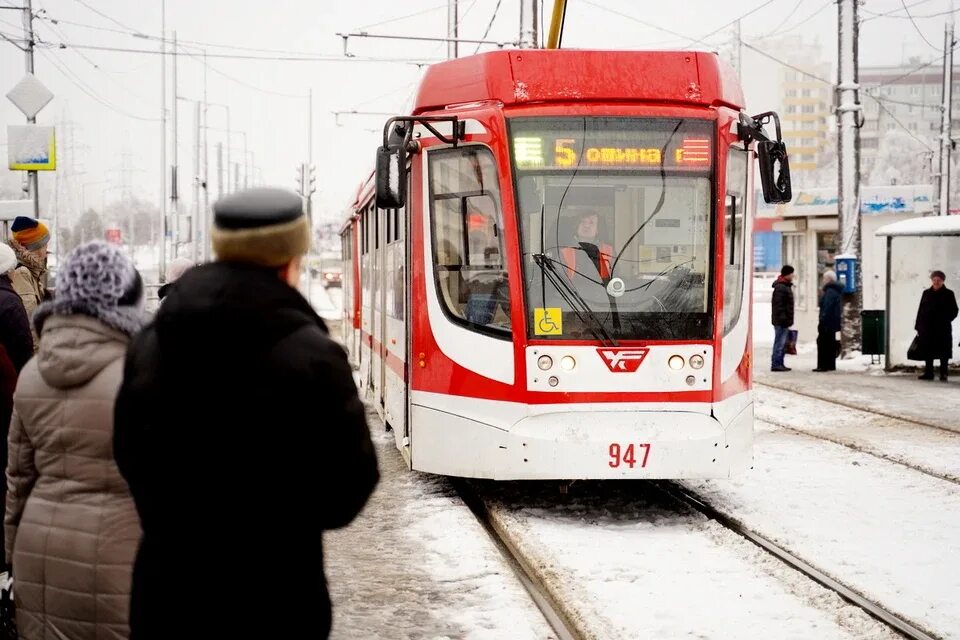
97, 280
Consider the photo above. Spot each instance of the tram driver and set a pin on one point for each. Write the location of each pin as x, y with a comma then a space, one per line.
587, 255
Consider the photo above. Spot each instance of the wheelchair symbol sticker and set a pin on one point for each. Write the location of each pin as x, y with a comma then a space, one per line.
548, 321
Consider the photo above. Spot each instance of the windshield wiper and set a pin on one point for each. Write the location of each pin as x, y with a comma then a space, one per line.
573, 298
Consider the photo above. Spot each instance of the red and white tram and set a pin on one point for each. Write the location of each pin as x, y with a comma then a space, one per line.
548, 274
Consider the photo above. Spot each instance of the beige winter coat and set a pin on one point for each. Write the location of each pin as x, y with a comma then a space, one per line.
71, 526
28, 280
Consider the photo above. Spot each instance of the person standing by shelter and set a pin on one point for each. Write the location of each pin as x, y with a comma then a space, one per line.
781, 309
938, 308
831, 308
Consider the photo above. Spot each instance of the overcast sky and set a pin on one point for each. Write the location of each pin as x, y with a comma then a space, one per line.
113, 97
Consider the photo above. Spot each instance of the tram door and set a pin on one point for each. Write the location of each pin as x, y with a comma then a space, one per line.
366, 301
376, 306
383, 277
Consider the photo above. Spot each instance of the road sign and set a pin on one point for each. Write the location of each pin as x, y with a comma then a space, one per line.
31, 147
30, 95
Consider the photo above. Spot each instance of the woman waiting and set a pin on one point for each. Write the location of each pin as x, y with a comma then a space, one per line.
938, 308
72, 528
831, 306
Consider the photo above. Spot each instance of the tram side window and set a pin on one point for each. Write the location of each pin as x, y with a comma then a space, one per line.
468, 238
733, 234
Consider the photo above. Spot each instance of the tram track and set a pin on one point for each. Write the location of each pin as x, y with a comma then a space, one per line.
840, 435
858, 407
561, 619
862, 449
872, 608
542, 576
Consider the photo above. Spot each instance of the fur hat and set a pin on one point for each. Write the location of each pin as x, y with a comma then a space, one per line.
260, 226
8, 259
32, 234
97, 280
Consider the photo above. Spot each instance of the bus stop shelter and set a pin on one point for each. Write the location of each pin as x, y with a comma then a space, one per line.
922, 245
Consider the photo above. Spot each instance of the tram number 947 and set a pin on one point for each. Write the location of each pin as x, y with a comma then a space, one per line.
627, 455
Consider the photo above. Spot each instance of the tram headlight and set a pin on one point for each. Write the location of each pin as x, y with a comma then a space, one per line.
691, 380
675, 362
544, 362
567, 363
696, 361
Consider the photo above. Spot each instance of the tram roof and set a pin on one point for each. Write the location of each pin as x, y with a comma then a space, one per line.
524, 76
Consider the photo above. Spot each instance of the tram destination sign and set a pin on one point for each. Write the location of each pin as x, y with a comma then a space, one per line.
612, 143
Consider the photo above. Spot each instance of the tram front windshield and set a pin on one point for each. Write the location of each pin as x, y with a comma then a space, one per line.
616, 226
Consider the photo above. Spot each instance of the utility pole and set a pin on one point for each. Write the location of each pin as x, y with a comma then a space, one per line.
33, 180
310, 142
236, 173
738, 44
452, 28
205, 218
529, 24
163, 142
175, 177
848, 114
197, 178
246, 161
942, 197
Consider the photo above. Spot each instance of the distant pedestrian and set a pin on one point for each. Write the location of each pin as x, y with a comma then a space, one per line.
28, 239
242, 436
782, 316
938, 308
72, 527
176, 268
831, 306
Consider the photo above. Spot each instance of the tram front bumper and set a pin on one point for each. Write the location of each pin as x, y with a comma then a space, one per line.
594, 445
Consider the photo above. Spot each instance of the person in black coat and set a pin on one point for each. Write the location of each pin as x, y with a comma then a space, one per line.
242, 437
16, 348
781, 308
15, 334
938, 308
831, 307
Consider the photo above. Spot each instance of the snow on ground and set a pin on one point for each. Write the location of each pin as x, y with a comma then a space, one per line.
933, 450
631, 563
884, 530
417, 564
857, 384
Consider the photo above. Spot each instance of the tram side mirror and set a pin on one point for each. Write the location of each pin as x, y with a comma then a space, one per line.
774, 171
391, 180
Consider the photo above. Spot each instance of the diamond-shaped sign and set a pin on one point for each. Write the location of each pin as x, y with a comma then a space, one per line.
30, 95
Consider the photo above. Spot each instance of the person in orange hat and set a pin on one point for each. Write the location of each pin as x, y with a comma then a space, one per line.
28, 239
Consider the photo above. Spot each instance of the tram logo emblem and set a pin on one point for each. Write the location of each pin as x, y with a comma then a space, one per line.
623, 360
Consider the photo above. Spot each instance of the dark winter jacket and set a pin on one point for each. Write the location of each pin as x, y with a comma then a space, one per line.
831, 306
16, 348
937, 310
241, 435
782, 303
15, 333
